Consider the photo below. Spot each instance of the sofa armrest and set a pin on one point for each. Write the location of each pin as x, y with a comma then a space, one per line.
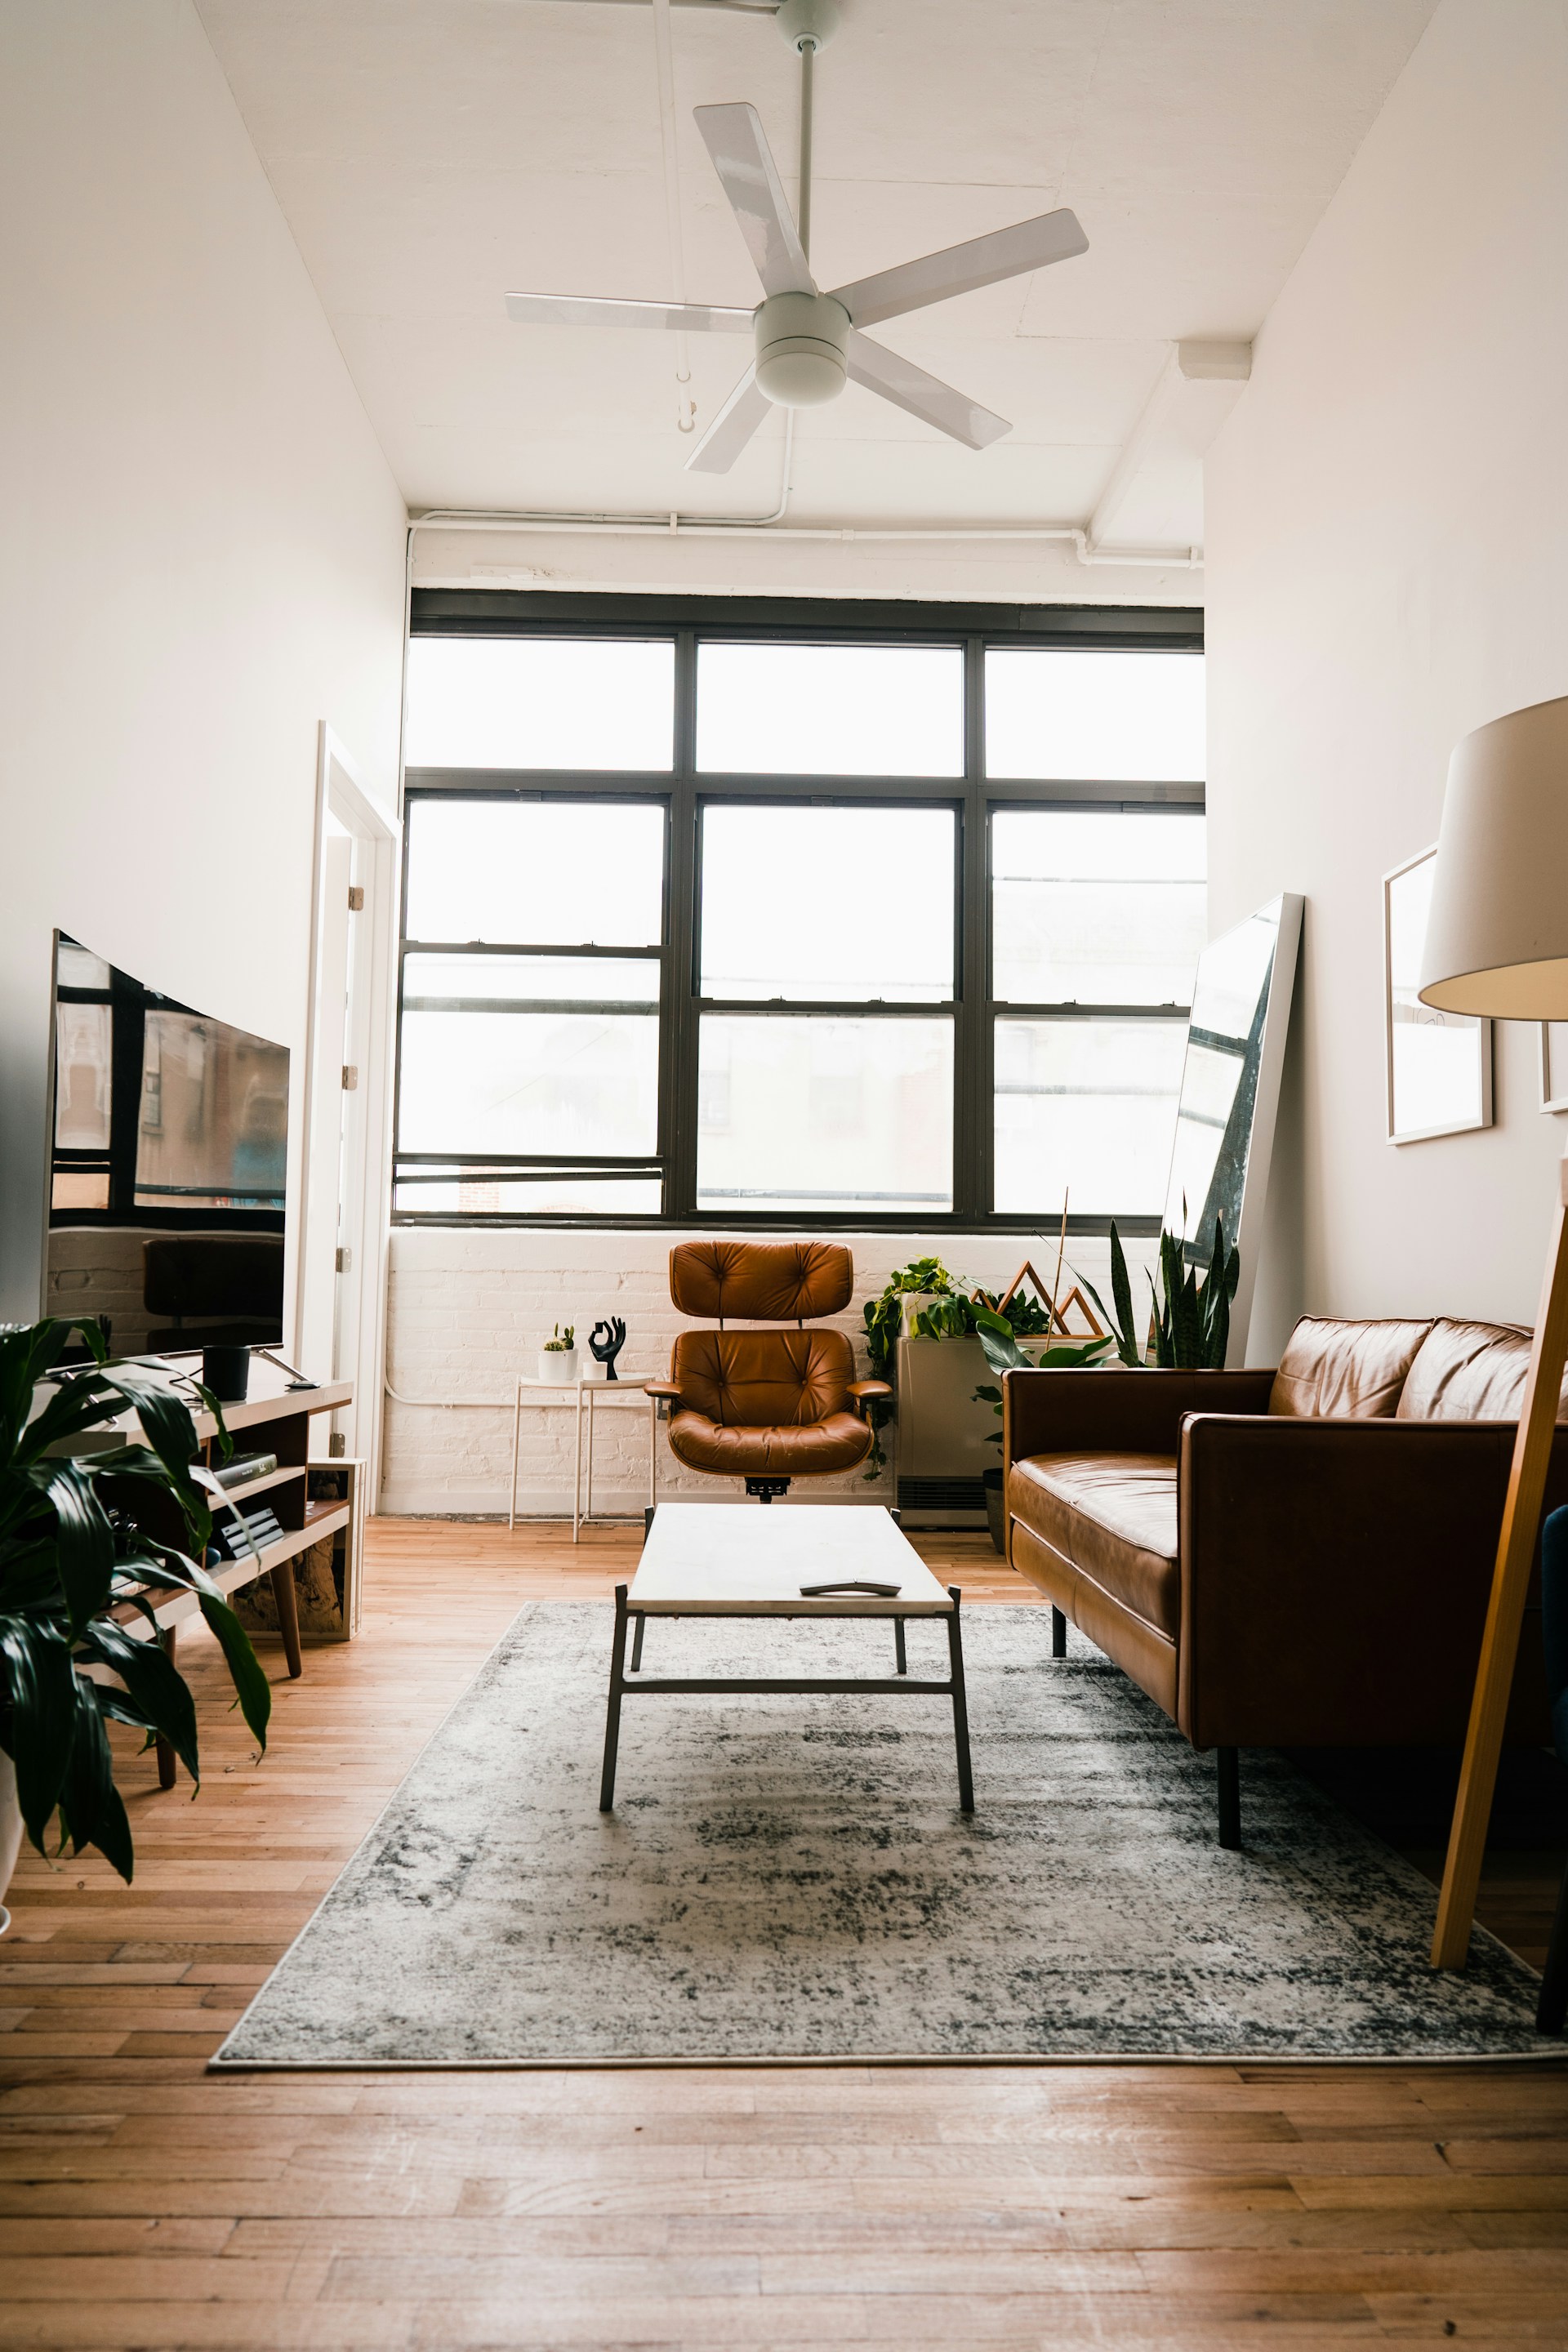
1335, 1576
1116, 1410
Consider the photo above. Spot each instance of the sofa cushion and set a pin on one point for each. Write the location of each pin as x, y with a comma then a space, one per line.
1113, 1516
1353, 1371
1469, 1371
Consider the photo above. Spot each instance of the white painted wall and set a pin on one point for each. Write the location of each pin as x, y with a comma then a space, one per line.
204, 551
1387, 567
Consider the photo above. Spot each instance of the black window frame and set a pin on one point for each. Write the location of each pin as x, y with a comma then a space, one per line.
685, 790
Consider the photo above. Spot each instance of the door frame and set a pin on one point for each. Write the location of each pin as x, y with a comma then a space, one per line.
363, 1221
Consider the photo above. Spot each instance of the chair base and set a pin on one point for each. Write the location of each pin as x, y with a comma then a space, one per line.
764, 1489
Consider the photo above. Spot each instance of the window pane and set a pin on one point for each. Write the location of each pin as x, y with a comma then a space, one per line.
1090, 909
491, 984
83, 1076
820, 1114
540, 702
553, 1193
828, 904
213, 1126
529, 1082
1095, 716
1085, 1107
830, 711
555, 872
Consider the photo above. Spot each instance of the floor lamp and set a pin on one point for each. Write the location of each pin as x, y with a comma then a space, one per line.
1497, 944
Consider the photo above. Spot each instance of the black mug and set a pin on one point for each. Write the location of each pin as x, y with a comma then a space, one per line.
226, 1371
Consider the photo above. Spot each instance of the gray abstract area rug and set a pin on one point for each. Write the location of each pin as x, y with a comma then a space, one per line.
791, 1878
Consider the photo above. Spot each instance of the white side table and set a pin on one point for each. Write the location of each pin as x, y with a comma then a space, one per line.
634, 1392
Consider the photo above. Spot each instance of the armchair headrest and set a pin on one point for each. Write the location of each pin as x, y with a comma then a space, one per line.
760, 1282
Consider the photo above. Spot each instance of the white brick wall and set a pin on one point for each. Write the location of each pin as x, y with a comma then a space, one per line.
468, 1309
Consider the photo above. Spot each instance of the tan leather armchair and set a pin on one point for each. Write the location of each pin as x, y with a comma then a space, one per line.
766, 1406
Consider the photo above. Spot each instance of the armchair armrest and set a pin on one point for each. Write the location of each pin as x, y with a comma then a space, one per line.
1117, 1410
1335, 1576
864, 1392
665, 1390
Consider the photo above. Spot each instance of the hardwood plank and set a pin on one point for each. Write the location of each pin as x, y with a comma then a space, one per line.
143, 2204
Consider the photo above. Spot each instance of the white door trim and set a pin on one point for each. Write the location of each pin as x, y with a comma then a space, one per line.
363, 1221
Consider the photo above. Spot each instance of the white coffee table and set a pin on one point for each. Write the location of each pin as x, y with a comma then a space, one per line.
747, 1560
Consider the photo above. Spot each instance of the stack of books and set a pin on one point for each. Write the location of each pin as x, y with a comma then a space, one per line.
241, 1529
241, 1468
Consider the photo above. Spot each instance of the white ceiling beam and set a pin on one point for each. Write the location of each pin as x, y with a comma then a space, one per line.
1187, 362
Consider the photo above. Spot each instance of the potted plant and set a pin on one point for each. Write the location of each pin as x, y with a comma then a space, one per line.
998, 1338
1189, 1323
81, 1537
558, 1357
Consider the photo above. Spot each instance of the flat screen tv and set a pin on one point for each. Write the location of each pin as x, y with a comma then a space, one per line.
168, 1165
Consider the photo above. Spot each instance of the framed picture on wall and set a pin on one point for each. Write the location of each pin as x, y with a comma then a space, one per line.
1439, 1064
1554, 1065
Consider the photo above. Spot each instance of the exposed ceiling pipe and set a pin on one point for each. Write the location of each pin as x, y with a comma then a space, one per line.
663, 59
534, 521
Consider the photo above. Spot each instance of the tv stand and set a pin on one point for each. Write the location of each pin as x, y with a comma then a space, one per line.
273, 1418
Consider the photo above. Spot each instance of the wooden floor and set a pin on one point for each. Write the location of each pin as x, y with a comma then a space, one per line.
144, 2204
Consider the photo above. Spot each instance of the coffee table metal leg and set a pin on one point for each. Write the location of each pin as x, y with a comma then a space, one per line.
636, 1642
898, 1651
959, 1706
613, 1716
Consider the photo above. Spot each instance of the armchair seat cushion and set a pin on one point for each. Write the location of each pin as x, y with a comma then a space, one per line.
1112, 1517
781, 1450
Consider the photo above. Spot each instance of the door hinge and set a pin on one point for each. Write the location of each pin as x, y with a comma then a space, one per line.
356, 897
345, 1260
351, 1077
337, 1445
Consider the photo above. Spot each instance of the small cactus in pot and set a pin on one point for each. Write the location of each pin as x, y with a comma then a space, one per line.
558, 1357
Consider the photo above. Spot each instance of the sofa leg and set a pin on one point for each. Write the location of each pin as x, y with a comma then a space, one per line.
1058, 1632
1228, 1761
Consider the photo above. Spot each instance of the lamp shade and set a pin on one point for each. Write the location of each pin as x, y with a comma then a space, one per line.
1497, 936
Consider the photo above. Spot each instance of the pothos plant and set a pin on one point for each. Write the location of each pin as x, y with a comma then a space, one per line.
83, 1539
956, 1311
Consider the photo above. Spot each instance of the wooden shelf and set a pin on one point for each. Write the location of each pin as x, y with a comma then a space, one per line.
260, 1486
321, 1519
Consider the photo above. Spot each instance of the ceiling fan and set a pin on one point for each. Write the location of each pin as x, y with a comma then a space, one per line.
809, 344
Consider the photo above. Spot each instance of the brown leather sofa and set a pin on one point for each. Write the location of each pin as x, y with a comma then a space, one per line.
1292, 1558
766, 1406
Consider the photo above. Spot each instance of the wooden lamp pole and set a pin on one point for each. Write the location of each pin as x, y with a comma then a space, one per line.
1505, 1612
1496, 945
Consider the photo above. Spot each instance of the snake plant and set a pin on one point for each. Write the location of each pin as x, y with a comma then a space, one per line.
86, 1540
1190, 1317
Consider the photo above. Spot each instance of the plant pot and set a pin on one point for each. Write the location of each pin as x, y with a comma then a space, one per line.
559, 1364
10, 1831
995, 1507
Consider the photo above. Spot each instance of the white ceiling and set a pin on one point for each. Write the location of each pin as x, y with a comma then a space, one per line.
430, 154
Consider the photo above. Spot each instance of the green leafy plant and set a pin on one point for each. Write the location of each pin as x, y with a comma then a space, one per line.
563, 1342
1003, 1353
883, 1319
82, 1536
1190, 1317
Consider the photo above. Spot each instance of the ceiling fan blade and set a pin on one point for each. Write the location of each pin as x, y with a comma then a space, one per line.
926, 396
588, 311
730, 430
741, 158
1004, 253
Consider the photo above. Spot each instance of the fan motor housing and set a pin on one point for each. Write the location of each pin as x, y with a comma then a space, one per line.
803, 343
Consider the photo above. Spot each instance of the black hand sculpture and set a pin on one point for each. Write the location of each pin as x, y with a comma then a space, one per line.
606, 1349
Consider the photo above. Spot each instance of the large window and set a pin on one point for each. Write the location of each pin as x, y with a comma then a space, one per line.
716, 920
